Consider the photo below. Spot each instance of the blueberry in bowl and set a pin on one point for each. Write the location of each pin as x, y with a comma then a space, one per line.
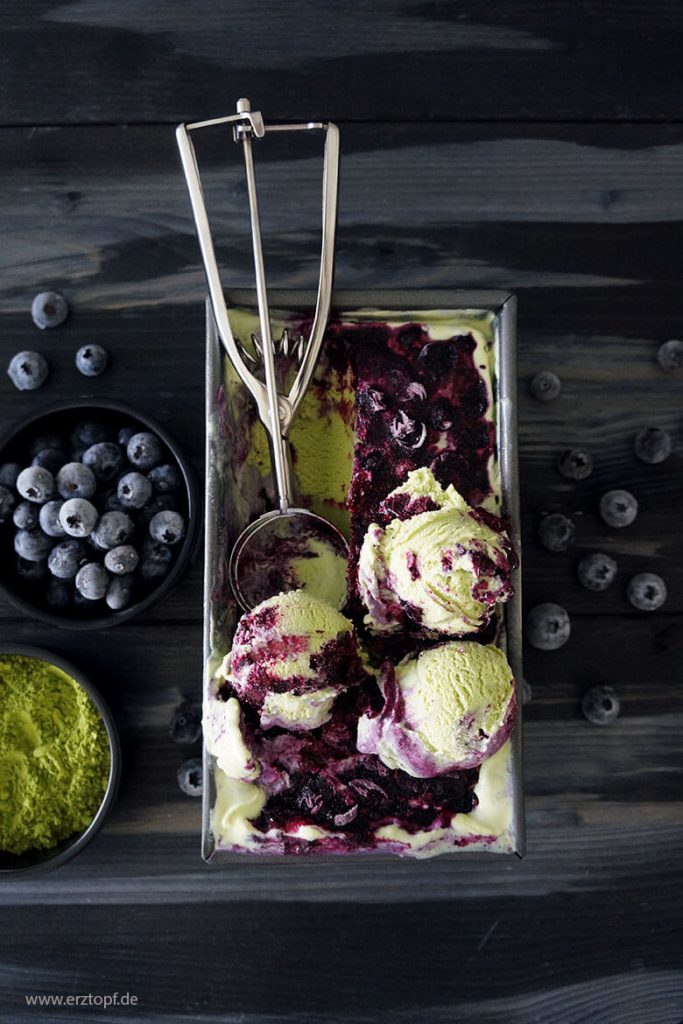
99, 514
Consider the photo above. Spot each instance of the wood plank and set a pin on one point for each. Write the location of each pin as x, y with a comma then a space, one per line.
100, 62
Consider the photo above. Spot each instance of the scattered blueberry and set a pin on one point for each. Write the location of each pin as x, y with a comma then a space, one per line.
545, 386
670, 355
653, 445
596, 571
165, 478
155, 562
88, 432
185, 726
33, 545
134, 490
113, 529
144, 450
66, 558
191, 777
618, 508
167, 527
119, 593
7, 502
78, 517
556, 532
92, 581
125, 434
28, 370
9, 473
91, 360
75, 480
49, 519
49, 309
575, 464
59, 594
36, 484
600, 705
547, 626
121, 560
49, 458
31, 572
104, 459
26, 515
646, 591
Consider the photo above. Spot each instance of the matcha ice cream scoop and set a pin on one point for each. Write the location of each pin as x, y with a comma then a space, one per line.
291, 656
437, 565
446, 709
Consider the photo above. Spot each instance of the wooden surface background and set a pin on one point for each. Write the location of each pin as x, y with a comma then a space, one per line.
535, 146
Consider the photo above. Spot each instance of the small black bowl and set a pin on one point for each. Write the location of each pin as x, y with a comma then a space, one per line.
62, 419
38, 861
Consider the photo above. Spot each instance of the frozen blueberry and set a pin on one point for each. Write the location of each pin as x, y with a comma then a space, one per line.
78, 517
33, 545
75, 480
91, 360
191, 777
600, 705
155, 561
556, 532
7, 502
575, 464
92, 581
653, 445
125, 434
167, 527
36, 484
165, 478
144, 450
49, 458
670, 355
105, 460
31, 572
185, 726
49, 309
87, 433
618, 508
545, 386
547, 626
49, 519
66, 558
134, 490
646, 591
122, 559
161, 503
25, 515
112, 503
596, 571
9, 473
113, 529
119, 593
28, 370
59, 593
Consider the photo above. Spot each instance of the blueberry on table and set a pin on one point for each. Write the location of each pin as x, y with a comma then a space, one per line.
600, 705
121, 560
26, 515
92, 581
74, 480
556, 532
36, 484
49, 309
78, 517
7, 502
545, 386
9, 472
88, 432
113, 529
59, 594
105, 459
49, 519
618, 508
596, 571
185, 726
91, 360
165, 478
31, 572
191, 777
33, 545
49, 458
670, 355
144, 450
28, 370
155, 561
646, 591
653, 445
66, 559
167, 527
526, 691
119, 593
547, 626
134, 490
575, 464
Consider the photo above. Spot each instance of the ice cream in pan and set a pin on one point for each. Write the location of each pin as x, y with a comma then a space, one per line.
384, 729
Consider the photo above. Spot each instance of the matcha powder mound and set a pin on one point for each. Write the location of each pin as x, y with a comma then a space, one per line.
54, 755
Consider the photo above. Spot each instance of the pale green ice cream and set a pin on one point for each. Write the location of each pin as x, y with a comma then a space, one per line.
446, 709
441, 570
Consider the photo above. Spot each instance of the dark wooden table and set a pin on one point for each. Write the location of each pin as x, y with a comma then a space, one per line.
531, 146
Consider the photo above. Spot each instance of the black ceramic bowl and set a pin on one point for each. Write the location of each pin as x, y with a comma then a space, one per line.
31, 597
39, 861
